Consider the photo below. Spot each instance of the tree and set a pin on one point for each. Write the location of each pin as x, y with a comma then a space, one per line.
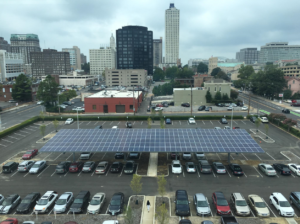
103, 74
128, 216
55, 124
43, 130
245, 71
158, 74
287, 94
215, 71
269, 63
162, 123
153, 113
42, 115
149, 121
160, 113
161, 182
21, 90
225, 97
208, 97
162, 214
278, 117
171, 72
222, 75
202, 68
234, 94
257, 124
289, 122
135, 184
218, 96
267, 130
296, 96
86, 67
47, 91
185, 73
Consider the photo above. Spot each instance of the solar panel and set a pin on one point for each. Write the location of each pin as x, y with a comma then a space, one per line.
152, 140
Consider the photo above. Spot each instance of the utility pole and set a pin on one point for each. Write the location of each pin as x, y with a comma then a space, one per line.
191, 100
133, 102
58, 104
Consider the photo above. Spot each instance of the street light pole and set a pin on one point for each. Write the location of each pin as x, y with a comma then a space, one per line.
58, 104
191, 100
231, 117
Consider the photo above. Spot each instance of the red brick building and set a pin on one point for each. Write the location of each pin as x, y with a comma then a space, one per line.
200, 78
7, 91
113, 102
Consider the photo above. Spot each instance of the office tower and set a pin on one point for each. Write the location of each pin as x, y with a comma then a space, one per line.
247, 55
11, 65
157, 51
75, 60
83, 58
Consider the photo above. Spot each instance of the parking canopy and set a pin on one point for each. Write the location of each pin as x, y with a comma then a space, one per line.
152, 140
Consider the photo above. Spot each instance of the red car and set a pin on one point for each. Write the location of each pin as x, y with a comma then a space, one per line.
30, 154
159, 105
10, 221
221, 203
76, 167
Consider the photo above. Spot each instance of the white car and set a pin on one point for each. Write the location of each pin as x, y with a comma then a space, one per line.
244, 108
69, 121
217, 128
192, 121
230, 108
64, 106
267, 169
46, 201
78, 109
96, 203
233, 105
1, 199
38, 166
294, 168
158, 108
176, 166
40, 102
64, 202
263, 119
281, 204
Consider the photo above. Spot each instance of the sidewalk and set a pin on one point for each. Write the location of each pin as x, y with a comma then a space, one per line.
152, 167
148, 217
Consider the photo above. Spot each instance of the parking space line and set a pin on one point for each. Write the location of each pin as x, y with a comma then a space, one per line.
66, 173
121, 171
50, 211
245, 174
203, 122
69, 156
257, 156
295, 155
3, 145
227, 171
58, 156
211, 122
198, 171
26, 174
88, 123
103, 122
243, 122
79, 173
43, 170
52, 174
244, 156
183, 173
270, 156
13, 174
293, 175
13, 137
93, 154
47, 156
103, 156
111, 123
118, 123
235, 122
213, 173
6, 140
24, 132
133, 123
80, 122
218, 156
19, 134
107, 170
180, 122
142, 122
96, 122
29, 129
251, 211
135, 169
269, 207
257, 171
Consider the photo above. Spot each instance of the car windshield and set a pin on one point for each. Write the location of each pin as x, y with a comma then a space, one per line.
29, 152
269, 168
25, 201
284, 204
68, 119
191, 166
222, 202
129, 165
115, 202
241, 203
7, 202
202, 204
112, 166
260, 204
61, 201
176, 165
182, 202
95, 202
36, 166
102, 167
237, 168
220, 167
42, 202
78, 201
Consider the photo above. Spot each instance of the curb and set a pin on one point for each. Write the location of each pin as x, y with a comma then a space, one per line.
256, 135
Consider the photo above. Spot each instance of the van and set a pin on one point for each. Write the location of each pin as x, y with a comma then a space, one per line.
10, 167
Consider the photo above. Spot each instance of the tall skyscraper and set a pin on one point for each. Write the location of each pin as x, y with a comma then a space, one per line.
172, 17
25, 43
157, 51
112, 42
4, 45
75, 59
135, 48
82, 58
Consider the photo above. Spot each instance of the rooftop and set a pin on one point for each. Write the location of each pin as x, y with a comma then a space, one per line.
229, 64
116, 94
195, 88
217, 81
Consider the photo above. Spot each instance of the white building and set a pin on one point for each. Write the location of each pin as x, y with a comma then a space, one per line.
103, 58
126, 77
195, 62
172, 17
75, 59
12, 65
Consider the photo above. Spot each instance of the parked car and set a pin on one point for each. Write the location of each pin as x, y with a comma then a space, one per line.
192, 121
88, 167
129, 167
69, 121
102, 168
38, 166
253, 119
63, 167
9, 167
25, 166
10, 221
67, 103
116, 204
134, 155
295, 199
230, 108
80, 202
283, 169
267, 169
9, 203
200, 155
281, 204
223, 121
185, 105
116, 167
119, 155
294, 168
258, 205
76, 167
1, 199
63, 106
244, 108
63, 202
201, 108
202, 205
236, 128
240, 204
46, 201
182, 207
96, 203
176, 167
187, 155
217, 128
85, 155
220, 105
128, 125
227, 127
236, 169
98, 127
28, 203
219, 168
159, 105
12, 101
207, 108
159, 108
228, 219
263, 119
168, 121
175, 155
221, 203
204, 166
30, 154
286, 111
190, 167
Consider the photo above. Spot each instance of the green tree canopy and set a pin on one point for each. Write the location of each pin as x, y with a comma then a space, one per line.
218, 96
296, 96
215, 71
158, 74
245, 71
208, 97
185, 73
234, 94
86, 67
21, 90
225, 97
202, 68
287, 94
47, 91
222, 75
171, 72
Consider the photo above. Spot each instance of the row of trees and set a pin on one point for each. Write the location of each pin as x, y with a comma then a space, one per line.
172, 73
167, 88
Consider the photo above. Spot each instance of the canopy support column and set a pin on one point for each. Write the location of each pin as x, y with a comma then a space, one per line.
229, 157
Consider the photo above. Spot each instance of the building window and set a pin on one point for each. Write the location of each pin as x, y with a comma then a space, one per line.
220, 89
3, 90
94, 107
10, 89
131, 107
293, 81
290, 86
215, 89
4, 96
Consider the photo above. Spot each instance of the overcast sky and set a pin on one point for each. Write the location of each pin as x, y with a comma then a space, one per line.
207, 27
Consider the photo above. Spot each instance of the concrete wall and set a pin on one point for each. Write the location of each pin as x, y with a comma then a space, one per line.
215, 87
184, 96
126, 77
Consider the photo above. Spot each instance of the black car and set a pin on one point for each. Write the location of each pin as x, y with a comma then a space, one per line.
185, 105
10, 167
295, 199
68, 103
10, 203
171, 104
236, 169
116, 167
98, 127
28, 203
182, 204
134, 155
223, 121
116, 204
220, 105
119, 155
286, 111
80, 202
185, 221
129, 167
253, 119
63, 167
283, 169
201, 108
128, 125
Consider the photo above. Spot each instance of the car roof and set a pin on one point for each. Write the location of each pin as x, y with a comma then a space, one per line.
238, 196
266, 165
81, 194
38, 162
219, 195
296, 193
99, 194
65, 195
103, 162
181, 194
30, 195
256, 198
200, 197
176, 162
279, 196
25, 162
117, 195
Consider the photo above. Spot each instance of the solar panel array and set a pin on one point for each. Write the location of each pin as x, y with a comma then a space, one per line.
152, 140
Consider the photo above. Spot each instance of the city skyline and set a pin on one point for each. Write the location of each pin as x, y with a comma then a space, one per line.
206, 30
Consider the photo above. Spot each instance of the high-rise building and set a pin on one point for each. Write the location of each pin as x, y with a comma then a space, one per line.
50, 62
275, 51
75, 59
172, 17
135, 48
247, 55
4, 45
11, 65
157, 51
112, 42
82, 58
25, 43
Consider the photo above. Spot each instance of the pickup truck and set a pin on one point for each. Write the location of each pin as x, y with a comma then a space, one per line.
263, 119
228, 219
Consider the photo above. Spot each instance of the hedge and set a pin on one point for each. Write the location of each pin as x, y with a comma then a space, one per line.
285, 127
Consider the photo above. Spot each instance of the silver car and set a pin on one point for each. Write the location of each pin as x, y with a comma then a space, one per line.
190, 167
187, 155
219, 168
204, 166
63, 202
102, 167
38, 166
88, 167
201, 204
200, 155
96, 203
1, 199
240, 204
267, 169
85, 155
25, 166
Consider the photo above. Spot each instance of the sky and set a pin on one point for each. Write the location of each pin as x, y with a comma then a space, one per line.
207, 27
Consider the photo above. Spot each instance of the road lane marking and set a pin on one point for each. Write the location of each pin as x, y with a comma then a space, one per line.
243, 122
43, 170
3, 145
53, 174
118, 123
213, 173
203, 122
103, 122
270, 156
29, 129
111, 123
50, 211
180, 122
26, 174
103, 156
79, 173
13, 174
24, 132
245, 174
121, 171
69, 156
66, 173
257, 171
13, 137
47, 156
96, 122
19, 134
227, 171
235, 122
198, 171
211, 122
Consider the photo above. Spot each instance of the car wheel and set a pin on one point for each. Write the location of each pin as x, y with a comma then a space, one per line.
279, 213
